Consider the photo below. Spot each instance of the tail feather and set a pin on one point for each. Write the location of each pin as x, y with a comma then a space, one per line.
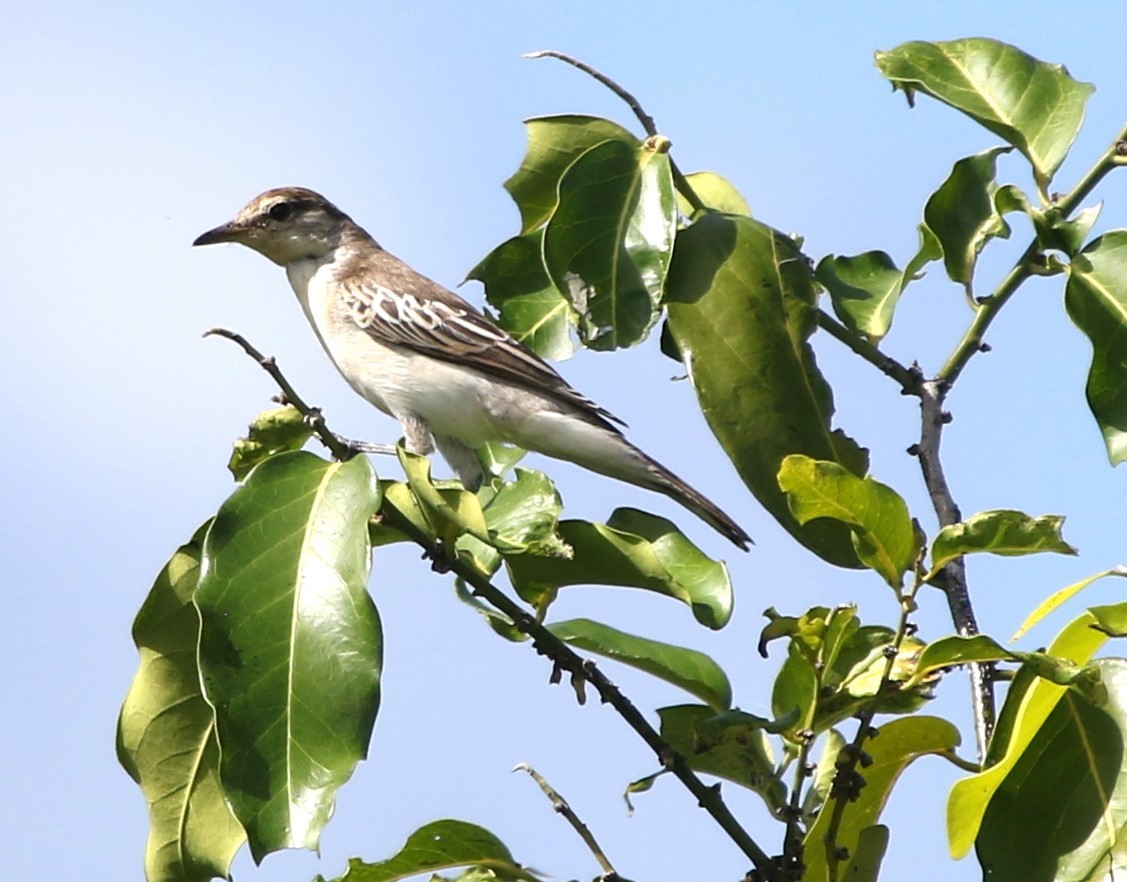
669, 484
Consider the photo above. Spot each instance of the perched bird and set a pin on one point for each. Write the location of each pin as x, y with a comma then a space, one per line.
425, 356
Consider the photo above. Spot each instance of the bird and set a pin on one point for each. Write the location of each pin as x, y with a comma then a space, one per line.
420, 353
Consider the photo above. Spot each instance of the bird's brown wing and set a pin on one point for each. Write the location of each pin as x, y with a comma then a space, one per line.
399, 306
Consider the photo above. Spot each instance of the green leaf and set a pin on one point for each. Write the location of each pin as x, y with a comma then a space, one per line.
1096, 300
898, 744
609, 242
1055, 232
954, 650
448, 509
523, 516
732, 746
963, 216
864, 290
440, 845
930, 249
1059, 597
275, 430
290, 645
166, 735
531, 308
883, 533
872, 843
633, 549
1111, 618
554, 143
692, 671
715, 192
1000, 531
1029, 702
740, 299
1061, 811
1036, 107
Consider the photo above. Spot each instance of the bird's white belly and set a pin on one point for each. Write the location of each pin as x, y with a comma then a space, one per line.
452, 400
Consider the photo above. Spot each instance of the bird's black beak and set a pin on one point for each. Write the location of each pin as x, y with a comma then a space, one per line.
228, 232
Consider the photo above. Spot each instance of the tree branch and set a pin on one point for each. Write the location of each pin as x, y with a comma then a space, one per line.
908, 378
647, 121
562, 807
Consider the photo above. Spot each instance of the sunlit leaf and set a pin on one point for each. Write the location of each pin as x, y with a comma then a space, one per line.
1061, 811
715, 192
522, 517
273, 431
1001, 531
954, 650
1029, 702
609, 242
1096, 299
963, 216
1035, 106
864, 290
166, 735
740, 299
692, 671
1055, 232
554, 143
1110, 618
883, 533
1059, 597
290, 645
530, 307
440, 845
633, 549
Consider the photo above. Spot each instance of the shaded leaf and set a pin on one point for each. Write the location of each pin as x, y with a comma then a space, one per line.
898, 744
522, 517
290, 645
1061, 811
872, 843
954, 650
864, 290
554, 143
1036, 107
530, 307
1059, 597
1055, 232
1111, 619
440, 845
166, 735
715, 192
883, 533
963, 216
1029, 702
1096, 300
633, 549
930, 249
609, 242
740, 299
275, 430
448, 509
692, 671
732, 746
1000, 531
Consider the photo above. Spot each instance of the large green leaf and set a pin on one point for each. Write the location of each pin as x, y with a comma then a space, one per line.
899, 743
1096, 299
692, 671
883, 533
864, 290
290, 645
1029, 702
554, 143
733, 746
531, 308
1000, 531
963, 216
1061, 812
440, 845
741, 298
632, 549
166, 735
609, 242
1036, 107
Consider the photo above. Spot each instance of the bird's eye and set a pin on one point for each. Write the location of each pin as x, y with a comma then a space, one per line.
280, 211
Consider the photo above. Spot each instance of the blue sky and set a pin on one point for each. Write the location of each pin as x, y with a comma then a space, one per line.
128, 129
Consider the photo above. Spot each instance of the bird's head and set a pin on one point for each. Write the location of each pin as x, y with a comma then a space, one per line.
286, 224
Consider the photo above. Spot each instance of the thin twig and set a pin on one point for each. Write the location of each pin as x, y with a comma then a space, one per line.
563, 658
341, 448
562, 807
647, 121
908, 378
